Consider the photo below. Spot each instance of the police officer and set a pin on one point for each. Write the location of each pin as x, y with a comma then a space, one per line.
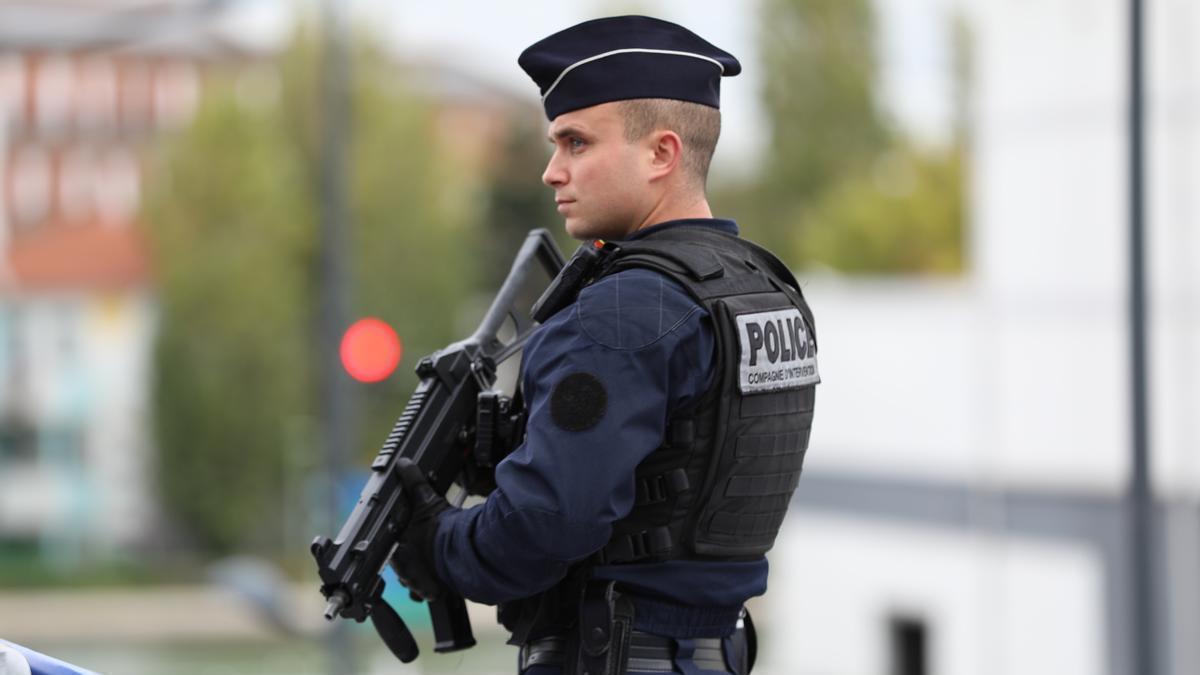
669, 401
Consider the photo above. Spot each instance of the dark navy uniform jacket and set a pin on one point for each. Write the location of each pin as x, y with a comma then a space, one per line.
652, 347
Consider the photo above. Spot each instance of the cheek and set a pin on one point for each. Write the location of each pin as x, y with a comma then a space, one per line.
607, 186
593, 182
632, 171
615, 178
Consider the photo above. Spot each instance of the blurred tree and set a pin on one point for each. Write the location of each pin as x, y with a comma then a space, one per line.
838, 186
904, 217
517, 201
413, 260
233, 216
231, 231
818, 90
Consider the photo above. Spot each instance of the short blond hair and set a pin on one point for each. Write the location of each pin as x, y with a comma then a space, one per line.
698, 126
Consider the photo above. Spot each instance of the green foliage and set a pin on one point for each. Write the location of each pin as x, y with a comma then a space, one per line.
232, 238
411, 210
839, 187
517, 201
818, 92
233, 218
820, 60
902, 218
25, 568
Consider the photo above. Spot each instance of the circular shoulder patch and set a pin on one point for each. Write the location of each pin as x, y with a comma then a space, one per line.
578, 402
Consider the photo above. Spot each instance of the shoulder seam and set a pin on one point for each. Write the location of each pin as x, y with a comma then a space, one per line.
583, 327
662, 284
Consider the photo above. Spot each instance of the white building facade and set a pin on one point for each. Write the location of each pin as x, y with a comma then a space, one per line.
963, 504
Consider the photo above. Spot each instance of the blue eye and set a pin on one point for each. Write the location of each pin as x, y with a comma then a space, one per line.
576, 143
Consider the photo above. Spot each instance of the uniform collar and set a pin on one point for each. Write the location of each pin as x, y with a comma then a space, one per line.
722, 224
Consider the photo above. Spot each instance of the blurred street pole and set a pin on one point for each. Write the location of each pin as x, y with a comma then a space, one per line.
1141, 499
335, 391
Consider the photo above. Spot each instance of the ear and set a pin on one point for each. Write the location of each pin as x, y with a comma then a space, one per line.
666, 153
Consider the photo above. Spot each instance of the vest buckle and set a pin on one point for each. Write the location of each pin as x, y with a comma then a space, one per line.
662, 487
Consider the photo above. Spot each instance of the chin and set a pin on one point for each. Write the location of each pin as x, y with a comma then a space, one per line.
583, 230
580, 230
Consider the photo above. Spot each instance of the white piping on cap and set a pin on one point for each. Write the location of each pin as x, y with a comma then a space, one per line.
589, 59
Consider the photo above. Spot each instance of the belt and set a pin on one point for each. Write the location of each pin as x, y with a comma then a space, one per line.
647, 653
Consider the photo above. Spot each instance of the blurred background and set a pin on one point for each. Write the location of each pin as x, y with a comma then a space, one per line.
198, 197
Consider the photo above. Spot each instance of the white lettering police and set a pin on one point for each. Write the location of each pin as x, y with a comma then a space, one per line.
777, 352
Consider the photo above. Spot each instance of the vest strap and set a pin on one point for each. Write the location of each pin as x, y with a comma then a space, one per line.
681, 433
662, 487
651, 543
696, 261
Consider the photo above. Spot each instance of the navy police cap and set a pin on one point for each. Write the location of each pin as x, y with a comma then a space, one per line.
625, 57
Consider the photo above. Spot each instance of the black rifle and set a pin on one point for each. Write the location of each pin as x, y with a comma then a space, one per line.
456, 428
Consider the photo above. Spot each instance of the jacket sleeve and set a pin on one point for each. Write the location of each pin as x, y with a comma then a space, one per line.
601, 379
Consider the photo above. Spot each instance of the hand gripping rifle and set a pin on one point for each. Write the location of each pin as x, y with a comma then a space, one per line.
456, 427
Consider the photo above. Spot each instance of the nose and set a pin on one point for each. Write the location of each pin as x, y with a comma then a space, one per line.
554, 175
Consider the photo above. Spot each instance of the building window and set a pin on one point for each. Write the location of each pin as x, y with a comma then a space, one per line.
67, 326
176, 93
31, 185
135, 95
98, 89
62, 445
909, 646
18, 441
54, 93
76, 184
15, 354
117, 189
12, 87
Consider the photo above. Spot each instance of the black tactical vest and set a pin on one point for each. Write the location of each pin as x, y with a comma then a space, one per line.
720, 484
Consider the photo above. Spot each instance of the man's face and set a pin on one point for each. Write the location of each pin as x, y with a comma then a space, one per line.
600, 180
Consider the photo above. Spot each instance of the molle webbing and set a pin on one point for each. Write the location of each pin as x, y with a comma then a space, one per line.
720, 484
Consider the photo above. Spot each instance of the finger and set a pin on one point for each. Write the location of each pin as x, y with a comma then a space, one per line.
414, 481
410, 474
400, 556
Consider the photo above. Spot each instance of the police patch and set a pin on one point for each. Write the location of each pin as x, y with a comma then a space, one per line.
777, 350
578, 402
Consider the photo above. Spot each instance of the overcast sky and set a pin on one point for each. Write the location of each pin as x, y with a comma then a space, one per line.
486, 37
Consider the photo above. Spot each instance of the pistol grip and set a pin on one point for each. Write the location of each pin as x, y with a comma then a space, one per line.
395, 634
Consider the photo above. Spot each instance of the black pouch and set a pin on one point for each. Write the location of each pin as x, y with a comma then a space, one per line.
600, 643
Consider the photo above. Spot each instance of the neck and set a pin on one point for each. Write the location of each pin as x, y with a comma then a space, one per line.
675, 209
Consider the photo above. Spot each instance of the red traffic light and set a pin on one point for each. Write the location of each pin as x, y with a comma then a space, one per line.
370, 350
